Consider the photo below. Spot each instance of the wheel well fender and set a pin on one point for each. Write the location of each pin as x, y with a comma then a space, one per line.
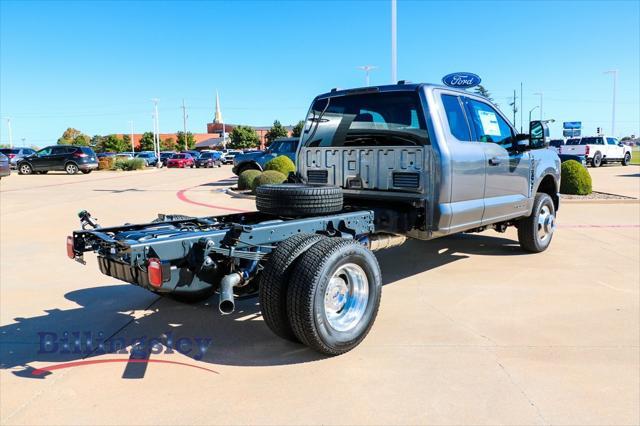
548, 185
248, 165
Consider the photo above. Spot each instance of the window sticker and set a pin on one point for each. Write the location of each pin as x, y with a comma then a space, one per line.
489, 123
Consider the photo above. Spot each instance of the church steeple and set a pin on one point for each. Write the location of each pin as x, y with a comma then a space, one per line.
218, 118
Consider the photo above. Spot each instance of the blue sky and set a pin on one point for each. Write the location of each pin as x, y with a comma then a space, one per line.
96, 65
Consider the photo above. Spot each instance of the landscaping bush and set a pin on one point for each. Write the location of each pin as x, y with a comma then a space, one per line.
266, 178
245, 180
574, 179
106, 163
130, 164
282, 164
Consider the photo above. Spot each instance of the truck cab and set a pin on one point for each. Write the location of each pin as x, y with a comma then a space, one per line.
449, 153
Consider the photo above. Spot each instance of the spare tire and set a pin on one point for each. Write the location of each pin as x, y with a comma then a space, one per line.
294, 199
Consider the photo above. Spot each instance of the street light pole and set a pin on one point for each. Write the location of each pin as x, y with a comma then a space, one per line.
541, 95
132, 146
531, 110
157, 124
184, 125
613, 106
394, 43
10, 133
367, 69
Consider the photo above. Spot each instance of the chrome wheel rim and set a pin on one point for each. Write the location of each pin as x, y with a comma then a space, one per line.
346, 297
24, 169
546, 224
71, 169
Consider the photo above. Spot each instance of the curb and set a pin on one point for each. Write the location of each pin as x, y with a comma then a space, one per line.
239, 194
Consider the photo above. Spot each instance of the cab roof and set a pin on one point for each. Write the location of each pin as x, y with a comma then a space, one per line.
400, 87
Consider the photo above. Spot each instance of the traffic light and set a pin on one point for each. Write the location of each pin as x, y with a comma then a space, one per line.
598, 130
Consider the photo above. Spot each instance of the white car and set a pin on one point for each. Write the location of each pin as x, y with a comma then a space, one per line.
228, 155
598, 150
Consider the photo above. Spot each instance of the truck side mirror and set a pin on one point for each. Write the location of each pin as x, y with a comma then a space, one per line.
538, 134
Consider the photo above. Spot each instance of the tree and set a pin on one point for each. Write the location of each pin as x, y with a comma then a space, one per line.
191, 140
112, 143
276, 131
482, 91
297, 129
147, 142
73, 136
244, 137
168, 144
96, 142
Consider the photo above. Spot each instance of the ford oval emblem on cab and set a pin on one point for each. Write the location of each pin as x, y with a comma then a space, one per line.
461, 80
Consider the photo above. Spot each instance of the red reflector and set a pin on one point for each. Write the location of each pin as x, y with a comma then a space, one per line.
586, 150
154, 270
70, 252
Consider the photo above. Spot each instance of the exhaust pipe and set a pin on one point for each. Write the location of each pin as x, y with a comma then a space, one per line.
227, 304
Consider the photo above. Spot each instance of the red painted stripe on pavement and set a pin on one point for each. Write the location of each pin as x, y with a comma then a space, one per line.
182, 196
49, 368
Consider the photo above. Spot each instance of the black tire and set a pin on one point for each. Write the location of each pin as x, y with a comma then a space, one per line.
86, 172
25, 169
531, 231
71, 168
626, 159
274, 281
311, 279
292, 199
596, 161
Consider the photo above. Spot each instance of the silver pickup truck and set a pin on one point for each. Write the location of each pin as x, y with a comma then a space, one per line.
375, 166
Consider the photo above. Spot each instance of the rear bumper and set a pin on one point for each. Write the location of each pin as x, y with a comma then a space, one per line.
5, 170
88, 166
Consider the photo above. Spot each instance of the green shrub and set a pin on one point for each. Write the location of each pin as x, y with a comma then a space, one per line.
574, 179
129, 164
106, 163
246, 178
266, 178
282, 164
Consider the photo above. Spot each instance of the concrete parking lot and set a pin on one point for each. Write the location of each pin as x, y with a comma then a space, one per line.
471, 329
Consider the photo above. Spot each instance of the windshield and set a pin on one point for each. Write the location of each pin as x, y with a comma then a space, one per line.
9, 151
179, 156
371, 119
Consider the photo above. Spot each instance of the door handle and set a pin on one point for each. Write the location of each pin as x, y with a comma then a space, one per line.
495, 161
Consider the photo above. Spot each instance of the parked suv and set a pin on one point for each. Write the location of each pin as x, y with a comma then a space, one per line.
228, 155
257, 159
5, 170
60, 157
16, 154
209, 159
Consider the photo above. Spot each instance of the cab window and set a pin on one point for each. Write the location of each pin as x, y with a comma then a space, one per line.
458, 125
489, 126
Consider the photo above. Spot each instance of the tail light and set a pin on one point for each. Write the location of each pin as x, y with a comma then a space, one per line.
70, 251
79, 155
154, 270
11, 156
586, 150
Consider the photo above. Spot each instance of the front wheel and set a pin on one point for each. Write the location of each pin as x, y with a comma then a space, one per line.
71, 168
333, 295
536, 231
626, 159
25, 169
596, 161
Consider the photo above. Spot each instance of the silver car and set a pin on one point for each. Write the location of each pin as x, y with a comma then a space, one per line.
5, 170
16, 154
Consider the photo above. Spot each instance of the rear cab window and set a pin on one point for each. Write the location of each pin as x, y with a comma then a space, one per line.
366, 119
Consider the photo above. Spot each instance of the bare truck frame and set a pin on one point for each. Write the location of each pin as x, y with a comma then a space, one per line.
375, 166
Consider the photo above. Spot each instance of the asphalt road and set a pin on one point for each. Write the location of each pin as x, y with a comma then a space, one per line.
471, 330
